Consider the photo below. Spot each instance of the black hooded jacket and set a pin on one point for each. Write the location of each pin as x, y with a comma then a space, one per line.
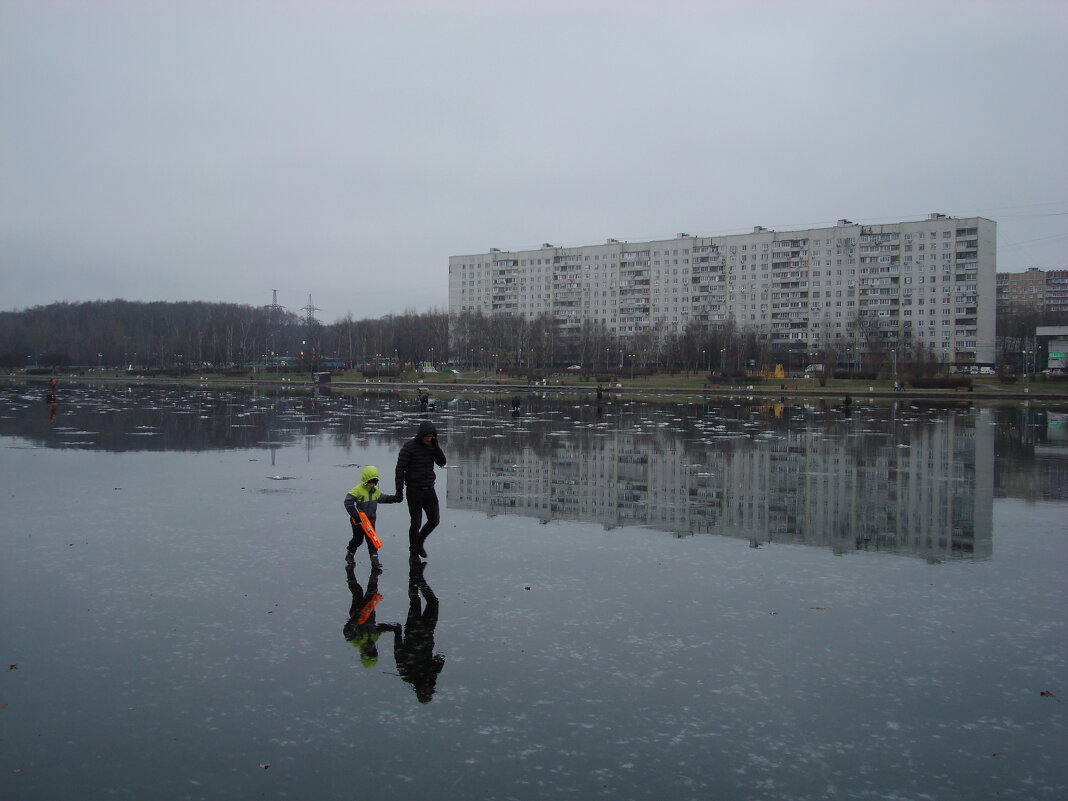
415, 463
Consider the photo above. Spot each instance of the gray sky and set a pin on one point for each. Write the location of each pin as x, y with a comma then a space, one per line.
344, 150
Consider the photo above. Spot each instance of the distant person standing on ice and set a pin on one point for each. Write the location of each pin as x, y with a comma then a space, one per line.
415, 472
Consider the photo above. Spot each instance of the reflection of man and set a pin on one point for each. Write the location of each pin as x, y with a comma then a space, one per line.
413, 649
415, 475
361, 629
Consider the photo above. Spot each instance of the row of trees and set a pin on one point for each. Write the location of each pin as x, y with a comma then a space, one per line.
169, 335
722, 348
192, 334
119, 332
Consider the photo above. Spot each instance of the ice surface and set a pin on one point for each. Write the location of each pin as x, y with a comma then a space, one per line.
177, 620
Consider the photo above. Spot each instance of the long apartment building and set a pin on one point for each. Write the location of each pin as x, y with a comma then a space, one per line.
930, 281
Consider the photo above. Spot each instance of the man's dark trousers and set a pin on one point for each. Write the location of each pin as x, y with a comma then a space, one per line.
421, 500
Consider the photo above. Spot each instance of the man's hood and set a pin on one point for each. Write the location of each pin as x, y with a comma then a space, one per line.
426, 427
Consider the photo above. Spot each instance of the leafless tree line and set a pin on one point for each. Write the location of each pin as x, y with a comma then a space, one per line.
119, 332
1016, 326
167, 335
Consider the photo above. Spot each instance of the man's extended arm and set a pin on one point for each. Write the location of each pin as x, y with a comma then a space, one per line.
402, 467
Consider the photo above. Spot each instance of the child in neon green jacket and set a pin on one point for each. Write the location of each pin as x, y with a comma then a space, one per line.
365, 497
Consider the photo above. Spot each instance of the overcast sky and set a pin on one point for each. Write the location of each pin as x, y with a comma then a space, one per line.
344, 150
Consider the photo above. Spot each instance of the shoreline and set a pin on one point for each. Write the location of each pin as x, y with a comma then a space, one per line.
615, 392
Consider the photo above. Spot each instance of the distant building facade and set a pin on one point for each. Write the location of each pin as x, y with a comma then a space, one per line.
1052, 340
929, 282
1034, 289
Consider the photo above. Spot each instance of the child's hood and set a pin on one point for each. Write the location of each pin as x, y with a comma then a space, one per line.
370, 472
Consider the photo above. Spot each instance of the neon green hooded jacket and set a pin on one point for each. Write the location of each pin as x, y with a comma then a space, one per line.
365, 497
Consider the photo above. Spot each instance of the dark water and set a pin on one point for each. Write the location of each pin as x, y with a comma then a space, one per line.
730, 601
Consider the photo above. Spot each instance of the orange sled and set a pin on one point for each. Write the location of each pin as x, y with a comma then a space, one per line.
368, 529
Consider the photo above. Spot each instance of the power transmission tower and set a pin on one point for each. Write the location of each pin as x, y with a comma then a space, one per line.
310, 324
274, 315
310, 310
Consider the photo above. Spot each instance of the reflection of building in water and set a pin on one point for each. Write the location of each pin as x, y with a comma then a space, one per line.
1032, 453
920, 488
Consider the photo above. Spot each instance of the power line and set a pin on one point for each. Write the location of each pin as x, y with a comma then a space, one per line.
1023, 242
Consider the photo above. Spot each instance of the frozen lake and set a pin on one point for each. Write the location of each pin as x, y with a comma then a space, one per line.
636, 601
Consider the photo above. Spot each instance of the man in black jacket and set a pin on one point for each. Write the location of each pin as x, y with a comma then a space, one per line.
415, 472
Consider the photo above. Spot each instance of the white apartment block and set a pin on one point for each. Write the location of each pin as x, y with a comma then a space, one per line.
931, 281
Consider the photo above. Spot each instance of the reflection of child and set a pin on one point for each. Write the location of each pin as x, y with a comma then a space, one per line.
361, 629
365, 497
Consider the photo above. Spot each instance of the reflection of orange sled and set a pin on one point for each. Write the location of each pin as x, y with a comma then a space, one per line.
368, 529
368, 609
